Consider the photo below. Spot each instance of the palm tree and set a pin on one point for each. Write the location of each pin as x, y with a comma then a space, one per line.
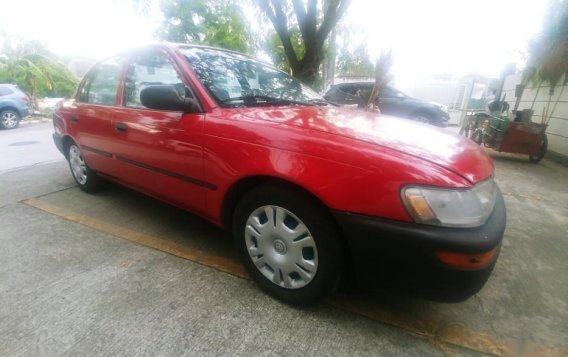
23, 70
36, 71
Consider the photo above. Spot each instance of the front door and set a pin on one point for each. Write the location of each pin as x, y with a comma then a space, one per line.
160, 152
391, 102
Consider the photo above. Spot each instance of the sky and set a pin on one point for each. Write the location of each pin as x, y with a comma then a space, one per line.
86, 28
449, 36
426, 37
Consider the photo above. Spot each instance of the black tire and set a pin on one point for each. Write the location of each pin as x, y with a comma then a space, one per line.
422, 118
541, 152
477, 136
87, 179
9, 119
321, 228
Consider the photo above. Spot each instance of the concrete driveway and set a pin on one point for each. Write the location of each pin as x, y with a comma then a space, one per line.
118, 273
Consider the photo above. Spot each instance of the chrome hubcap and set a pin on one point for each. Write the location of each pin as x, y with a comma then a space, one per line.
9, 119
77, 164
281, 247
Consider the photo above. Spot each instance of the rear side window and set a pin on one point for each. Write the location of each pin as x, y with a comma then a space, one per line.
102, 82
389, 92
5, 91
149, 68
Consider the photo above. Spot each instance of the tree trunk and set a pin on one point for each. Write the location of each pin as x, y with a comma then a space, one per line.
307, 69
308, 74
382, 77
313, 37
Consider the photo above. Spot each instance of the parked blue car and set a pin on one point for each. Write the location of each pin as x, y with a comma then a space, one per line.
13, 106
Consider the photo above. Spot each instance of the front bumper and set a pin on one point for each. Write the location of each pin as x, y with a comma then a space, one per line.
402, 256
442, 120
58, 141
440, 123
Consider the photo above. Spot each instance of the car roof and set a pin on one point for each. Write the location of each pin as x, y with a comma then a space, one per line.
231, 53
357, 84
181, 46
354, 83
13, 87
176, 46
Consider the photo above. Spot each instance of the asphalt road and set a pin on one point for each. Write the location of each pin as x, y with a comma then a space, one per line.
29, 144
118, 273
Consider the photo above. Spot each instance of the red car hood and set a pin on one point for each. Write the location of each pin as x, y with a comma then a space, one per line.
453, 152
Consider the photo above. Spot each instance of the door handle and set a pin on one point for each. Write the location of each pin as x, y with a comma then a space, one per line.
121, 127
74, 119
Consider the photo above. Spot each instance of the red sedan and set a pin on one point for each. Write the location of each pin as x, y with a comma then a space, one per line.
311, 192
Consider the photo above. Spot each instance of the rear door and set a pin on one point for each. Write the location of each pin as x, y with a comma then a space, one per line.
159, 151
90, 116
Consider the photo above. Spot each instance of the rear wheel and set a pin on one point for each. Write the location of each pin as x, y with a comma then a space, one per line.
9, 119
477, 136
289, 244
541, 152
86, 178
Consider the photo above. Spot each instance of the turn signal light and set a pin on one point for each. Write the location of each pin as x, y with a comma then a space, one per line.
420, 207
466, 260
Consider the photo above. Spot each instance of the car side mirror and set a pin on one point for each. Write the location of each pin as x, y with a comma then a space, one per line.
166, 97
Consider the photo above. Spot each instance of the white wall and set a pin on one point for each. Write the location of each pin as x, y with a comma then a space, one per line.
557, 131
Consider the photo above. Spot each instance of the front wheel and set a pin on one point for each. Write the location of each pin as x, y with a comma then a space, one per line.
289, 244
9, 119
422, 118
541, 151
86, 178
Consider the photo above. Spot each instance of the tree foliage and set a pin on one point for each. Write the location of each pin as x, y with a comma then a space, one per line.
303, 29
36, 71
277, 53
214, 23
356, 63
548, 53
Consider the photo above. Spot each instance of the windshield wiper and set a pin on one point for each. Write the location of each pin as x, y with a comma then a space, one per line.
262, 99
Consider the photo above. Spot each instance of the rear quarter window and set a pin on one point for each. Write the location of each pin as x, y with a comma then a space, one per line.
5, 91
101, 84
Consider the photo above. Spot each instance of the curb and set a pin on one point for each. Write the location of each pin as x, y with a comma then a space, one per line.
35, 120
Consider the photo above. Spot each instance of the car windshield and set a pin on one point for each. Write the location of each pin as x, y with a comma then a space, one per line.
235, 80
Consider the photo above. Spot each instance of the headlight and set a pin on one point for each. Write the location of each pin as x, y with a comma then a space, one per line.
451, 207
442, 107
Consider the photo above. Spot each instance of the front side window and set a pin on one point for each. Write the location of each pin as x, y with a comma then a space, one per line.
149, 68
389, 92
236, 80
101, 84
